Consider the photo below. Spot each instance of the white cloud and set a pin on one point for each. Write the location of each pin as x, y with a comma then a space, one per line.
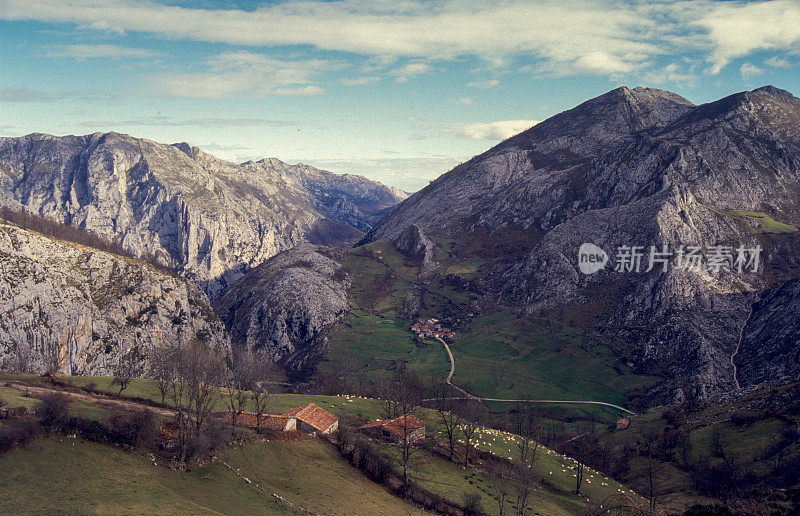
361, 81
483, 84
749, 70
16, 94
164, 121
735, 29
464, 100
608, 37
409, 71
236, 73
496, 131
81, 52
586, 35
777, 62
671, 73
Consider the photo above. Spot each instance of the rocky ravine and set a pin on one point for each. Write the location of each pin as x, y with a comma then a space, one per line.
209, 218
639, 167
81, 309
287, 305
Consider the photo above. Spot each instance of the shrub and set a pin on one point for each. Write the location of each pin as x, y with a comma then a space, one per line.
137, 429
743, 417
53, 411
472, 503
18, 434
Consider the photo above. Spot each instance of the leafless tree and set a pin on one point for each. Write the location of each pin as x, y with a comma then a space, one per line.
400, 398
197, 371
446, 407
473, 416
128, 367
266, 376
500, 483
648, 447
529, 427
472, 503
526, 482
239, 380
161, 368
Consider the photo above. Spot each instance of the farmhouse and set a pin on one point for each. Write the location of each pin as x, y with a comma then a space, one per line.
397, 429
623, 423
313, 419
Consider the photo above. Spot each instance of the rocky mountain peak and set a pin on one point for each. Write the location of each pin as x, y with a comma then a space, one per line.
207, 217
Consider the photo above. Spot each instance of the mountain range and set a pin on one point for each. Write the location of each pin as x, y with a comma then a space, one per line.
639, 169
209, 219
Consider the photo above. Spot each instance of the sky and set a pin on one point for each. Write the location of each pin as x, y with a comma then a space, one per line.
398, 91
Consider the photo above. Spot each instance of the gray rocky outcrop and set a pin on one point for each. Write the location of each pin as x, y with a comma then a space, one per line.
287, 305
77, 310
211, 219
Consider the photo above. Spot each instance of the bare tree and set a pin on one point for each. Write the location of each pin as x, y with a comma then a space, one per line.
526, 482
446, 407
161, 369
472, 503
473, 415
197, 370
128, 367
400, 398
266, 375
238, 381
500, 484
648, 446
529, 427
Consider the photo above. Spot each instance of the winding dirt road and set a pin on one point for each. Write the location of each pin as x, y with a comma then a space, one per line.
469, 396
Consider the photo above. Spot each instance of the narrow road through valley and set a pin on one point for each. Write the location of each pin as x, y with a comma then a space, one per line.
469, 396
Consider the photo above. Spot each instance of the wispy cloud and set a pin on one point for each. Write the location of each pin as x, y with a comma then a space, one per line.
361, 81
467, 101
735, 29
244, 73
749, 70
409, 71
18, 94
777, 62
483, 84
494, 131
616, 36
161, 121
672, 73
82, 52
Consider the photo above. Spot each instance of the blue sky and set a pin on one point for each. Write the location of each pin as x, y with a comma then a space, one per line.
397, 91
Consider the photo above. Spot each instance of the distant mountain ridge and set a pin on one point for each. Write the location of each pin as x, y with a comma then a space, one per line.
208, 218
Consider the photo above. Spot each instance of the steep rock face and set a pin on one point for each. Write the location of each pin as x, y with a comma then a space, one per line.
771, 336
209, 218
287, 304
413, 243
79, 309
638, 168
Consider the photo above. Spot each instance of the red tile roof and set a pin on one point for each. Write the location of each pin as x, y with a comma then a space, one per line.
313, 416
